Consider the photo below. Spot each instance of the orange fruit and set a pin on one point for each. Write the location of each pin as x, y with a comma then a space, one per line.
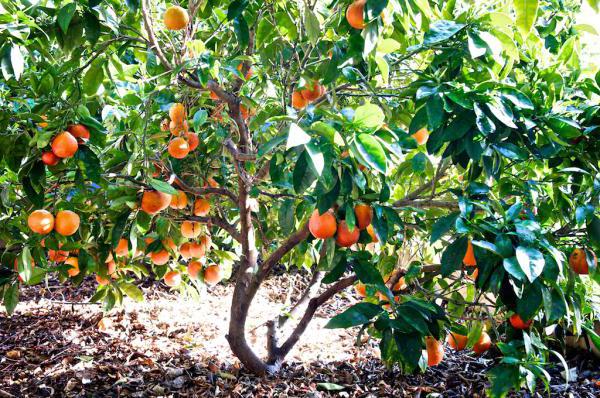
371, 232
246, 113
122, 249
177, 113
185, 251
64, 145
469, 258
483, 344
176, 18
213, 275
400, 285
578, 261
41, 221
298, 100
212, 182
421, 136
249, 73
364, 215
190, 229
206, 241
193, 269
197, 250
74, 263
169, 244
355, 14
457, 341
50, 159
66, 222
360, 289
345, 237
201, 207
517, 322
155, 201
322, 226
79, 131
175, 128
102, 281
172, 278
193, 140
43, 124
57, 256
310, 94
178, 148
160, 257
111, 267
179, 201
435, 351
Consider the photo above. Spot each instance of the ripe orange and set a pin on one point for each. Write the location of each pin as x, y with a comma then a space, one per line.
298, 100
172, 278
41, 221
57, 256
469, 258
79, 131
212, 183
360, 289
206, 241
364, 215
421, 136
112, 268
517, 322
197, 250
102, 281
179, 201
322, 226
178, 148
310, 94
371, 232
190, 229
74, 263
578, 261
176, 18
193, 269
67, 222
246, 113
185, 251
435, 351
400, 285
355, 14
122, 249
201, 207
160, 257
155, 201
176, 128
213, 275
345, 237
483, 344
64, 145
193, 140
177, 113
50, 159
457, 341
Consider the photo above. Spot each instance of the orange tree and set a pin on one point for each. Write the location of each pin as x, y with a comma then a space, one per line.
440, 156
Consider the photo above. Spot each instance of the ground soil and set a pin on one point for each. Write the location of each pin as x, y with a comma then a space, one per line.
171, 345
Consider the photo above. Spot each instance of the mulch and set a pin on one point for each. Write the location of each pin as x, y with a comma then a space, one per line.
58, 350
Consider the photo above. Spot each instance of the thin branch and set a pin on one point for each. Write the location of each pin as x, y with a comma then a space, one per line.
282, 250
219, 222
426, 203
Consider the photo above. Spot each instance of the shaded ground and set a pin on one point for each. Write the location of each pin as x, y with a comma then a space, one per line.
168, 346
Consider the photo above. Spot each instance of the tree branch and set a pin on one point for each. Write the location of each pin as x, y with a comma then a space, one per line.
282, 250
426, 203
219, 222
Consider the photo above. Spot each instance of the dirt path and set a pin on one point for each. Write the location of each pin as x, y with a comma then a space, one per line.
174, 346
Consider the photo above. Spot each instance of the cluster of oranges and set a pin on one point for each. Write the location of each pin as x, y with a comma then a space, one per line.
301, 98
185, 141
65, 144
325, 226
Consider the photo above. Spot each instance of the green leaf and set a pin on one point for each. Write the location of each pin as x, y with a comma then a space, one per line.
313, 28
200, 118
132, 291
118, 228
511, 265
442, 226
452, 257
236, 8
440, 31
372, 152
593, 230
419, 162
358, 314
369, 116
531, 262
330, 387
529, 304
304, 174
503, 378
526, 11
435, 111
566, 128
368, 274
296, 137
162, 186
17, 61
92, 27
240, 26
93, 77
502, 112
64, 16
286, 216
11, 298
